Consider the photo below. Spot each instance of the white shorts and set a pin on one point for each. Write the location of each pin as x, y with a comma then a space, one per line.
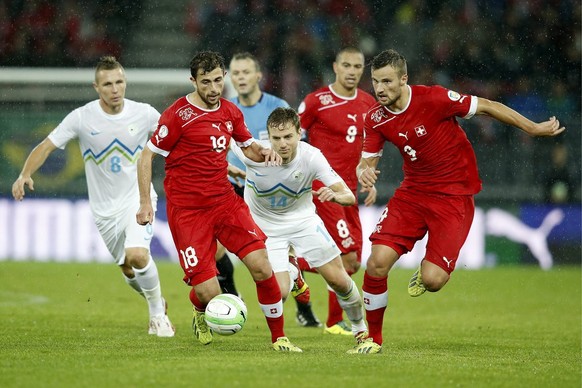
310, 240
123, 231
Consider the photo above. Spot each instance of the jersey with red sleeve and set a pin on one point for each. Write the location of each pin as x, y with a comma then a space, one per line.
438, 157
195, 142
335, 125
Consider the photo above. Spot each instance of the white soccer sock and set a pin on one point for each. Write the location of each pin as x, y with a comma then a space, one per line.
351, 303
149, 281
132, 282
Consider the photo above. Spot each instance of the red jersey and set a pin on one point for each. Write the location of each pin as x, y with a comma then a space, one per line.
438, 157
195, 143
335, 125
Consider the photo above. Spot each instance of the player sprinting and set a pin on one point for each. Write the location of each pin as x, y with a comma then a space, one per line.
281, 202
193, 135
256, 105
111, 132
333, 120
440, 179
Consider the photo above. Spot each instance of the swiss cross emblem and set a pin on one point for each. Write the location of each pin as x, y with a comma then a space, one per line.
229, 126
420, 130
273, 310
326, 99
186, 114
367, 301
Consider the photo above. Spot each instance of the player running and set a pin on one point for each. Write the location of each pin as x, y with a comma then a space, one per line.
440, 179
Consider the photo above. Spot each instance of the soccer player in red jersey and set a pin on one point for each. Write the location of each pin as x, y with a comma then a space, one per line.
333, 120
193, 135
440, 179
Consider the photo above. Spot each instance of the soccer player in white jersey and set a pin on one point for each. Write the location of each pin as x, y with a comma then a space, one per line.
281, 203
112, 131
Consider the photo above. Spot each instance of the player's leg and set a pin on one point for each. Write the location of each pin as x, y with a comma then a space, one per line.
195, 241
346, 292
128, 243
269, 295
225, 271
449, 222
240, 235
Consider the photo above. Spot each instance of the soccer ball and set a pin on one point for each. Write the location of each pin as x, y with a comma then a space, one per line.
226, 314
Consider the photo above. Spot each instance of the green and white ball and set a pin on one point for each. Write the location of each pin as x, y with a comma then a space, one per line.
226, 314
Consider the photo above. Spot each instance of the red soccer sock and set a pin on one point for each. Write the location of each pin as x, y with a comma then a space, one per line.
199, 306
304, 266
269, 295
335, 311
375, 293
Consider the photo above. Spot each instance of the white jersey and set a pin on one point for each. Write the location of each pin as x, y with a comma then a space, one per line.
110, 146
280, 198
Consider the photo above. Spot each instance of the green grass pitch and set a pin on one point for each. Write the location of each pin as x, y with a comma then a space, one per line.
80, 325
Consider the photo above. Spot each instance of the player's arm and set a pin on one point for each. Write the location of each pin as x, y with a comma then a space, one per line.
34, 161
367, 173
339, 193
237, 174
145, 214
509, 116
258, 153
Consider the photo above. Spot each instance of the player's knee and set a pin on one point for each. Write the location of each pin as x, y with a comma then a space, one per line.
137, 258
351, 263
434, 281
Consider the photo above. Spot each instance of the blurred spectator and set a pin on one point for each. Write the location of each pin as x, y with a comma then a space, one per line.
558, 183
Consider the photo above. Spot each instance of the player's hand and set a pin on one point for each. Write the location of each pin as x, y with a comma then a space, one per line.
145, 214
237, 174
271, 157
18, 187
325, 194
548, 128
368, 177
372, 195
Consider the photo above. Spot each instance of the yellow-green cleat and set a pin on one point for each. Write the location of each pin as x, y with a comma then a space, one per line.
284, 345
415, 286
340, 328
200, 328
365, 345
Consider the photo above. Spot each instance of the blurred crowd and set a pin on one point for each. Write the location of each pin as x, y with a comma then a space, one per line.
62, 32
526, 54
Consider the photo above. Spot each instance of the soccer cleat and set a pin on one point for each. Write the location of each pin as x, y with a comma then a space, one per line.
200, 328
284, 345
161, 326
340, 328
154, 329
305, 316
300, 290
366, 346
415, 286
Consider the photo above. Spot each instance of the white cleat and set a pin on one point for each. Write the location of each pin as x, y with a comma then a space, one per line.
161, 326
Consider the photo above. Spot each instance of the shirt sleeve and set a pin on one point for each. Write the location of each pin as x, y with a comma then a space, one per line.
166, 135
67, 130
373, 138
323, 170
306, 113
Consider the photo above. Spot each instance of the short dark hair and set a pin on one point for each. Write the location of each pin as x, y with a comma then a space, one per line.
206, 61
281, 116
107, 62
390, 58
247, 55
348, 50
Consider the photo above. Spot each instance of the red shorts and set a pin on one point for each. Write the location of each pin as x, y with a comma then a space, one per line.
410, 215
195, 232
343, 224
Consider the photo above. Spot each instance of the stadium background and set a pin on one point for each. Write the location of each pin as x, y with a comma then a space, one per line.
523, 53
